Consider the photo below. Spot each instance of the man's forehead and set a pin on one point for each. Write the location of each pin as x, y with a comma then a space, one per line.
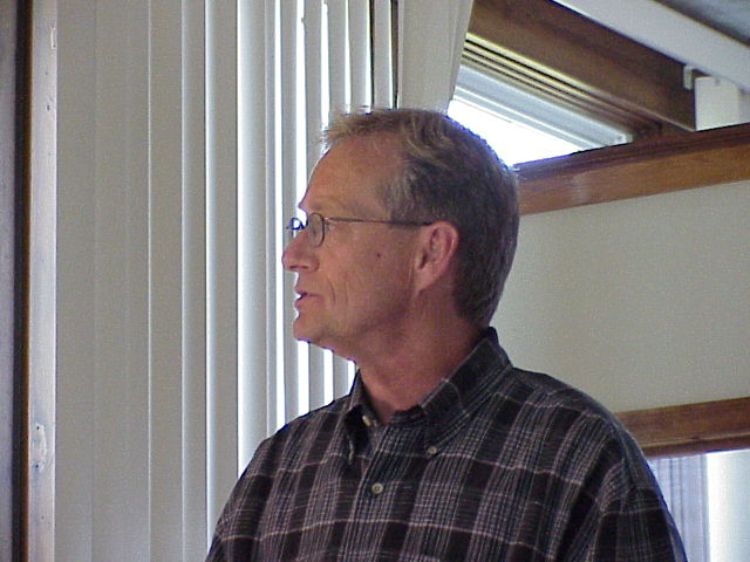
352, 173
346, 201
378, 143
368, 155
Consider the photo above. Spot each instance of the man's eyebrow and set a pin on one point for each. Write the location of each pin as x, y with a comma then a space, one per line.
320, 205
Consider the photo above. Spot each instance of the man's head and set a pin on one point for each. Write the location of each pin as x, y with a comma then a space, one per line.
357, 274
447, 173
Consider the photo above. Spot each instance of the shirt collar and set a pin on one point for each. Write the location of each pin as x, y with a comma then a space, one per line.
454, 400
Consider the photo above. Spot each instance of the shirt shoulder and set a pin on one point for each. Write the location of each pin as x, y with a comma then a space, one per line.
625, 516
292, 439
281, 452
578, 424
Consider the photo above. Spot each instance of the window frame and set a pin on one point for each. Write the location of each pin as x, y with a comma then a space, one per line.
703, 427
643, 167
14, 71
483, 88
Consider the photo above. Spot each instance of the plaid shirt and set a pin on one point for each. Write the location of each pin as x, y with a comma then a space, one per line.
494, 464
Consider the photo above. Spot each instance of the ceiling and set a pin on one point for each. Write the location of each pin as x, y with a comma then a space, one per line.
731, 17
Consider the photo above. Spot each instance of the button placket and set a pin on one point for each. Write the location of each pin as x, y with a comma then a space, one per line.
385, 459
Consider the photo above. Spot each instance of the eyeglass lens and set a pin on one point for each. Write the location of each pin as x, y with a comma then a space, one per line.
314, 226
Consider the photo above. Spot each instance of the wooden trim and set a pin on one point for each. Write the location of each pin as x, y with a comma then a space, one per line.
40, 519
692, 428
541, 45
22, 236
8, 101
511, 69
644, 167
14, 73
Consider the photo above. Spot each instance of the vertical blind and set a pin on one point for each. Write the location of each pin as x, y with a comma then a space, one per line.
185, 133
317, 61
275, 72
264, 78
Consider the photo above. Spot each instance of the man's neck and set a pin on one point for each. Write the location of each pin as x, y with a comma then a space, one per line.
399, 377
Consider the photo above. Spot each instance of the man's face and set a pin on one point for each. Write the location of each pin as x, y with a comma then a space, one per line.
355, 288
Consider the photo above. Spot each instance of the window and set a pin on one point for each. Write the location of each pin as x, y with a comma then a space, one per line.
521, 126
708, 495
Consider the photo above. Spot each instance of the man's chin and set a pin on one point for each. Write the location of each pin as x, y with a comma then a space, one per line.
302, 332
309, 334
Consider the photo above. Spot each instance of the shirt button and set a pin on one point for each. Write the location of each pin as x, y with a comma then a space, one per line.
431, 451
377, 489
367, 420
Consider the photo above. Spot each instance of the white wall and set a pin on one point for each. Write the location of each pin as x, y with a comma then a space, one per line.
641, 303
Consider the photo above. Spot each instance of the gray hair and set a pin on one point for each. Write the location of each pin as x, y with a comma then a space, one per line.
451, 174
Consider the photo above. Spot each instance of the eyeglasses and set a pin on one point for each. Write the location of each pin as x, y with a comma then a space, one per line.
317, 224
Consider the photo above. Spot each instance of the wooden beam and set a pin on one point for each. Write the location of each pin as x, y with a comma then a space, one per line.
693, 428
642, 88
644, 167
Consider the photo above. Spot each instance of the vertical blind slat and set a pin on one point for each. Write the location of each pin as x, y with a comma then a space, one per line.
289, 177
337, 67
313, 120
382, 56
313, 79
340, 376
165, 272
359, 56
317, 376
221, 185
272, 220
194, 515
252, 231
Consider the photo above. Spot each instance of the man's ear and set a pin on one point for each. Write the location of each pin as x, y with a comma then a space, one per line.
436, 252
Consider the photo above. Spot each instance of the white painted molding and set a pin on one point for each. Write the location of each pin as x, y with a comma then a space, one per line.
719, 103
431, 40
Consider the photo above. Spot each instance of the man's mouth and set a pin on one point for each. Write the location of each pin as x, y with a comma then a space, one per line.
301, 296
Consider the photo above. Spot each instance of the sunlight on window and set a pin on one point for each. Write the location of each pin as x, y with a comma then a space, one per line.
514, 142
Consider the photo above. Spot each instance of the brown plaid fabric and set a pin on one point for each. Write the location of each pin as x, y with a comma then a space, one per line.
495, 464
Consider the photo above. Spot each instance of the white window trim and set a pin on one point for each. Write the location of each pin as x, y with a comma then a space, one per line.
488, 92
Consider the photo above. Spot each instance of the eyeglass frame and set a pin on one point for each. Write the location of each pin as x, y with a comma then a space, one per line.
296, 225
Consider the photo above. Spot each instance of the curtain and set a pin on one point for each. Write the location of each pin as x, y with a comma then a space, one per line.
683, 483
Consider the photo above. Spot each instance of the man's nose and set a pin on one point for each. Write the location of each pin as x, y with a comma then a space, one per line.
298, 254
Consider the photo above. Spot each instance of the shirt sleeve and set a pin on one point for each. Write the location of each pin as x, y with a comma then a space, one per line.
216, 552
235, 536
636, 527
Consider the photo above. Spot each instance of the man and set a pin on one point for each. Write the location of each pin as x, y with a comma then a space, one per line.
443, 450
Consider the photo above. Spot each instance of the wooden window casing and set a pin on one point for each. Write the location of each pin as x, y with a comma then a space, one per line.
14, 72
559, 55
643, 167
693, 428
555, 53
